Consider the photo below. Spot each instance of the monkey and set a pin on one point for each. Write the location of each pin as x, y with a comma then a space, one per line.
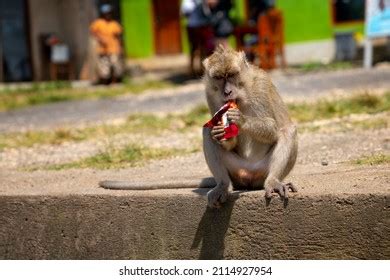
265, 150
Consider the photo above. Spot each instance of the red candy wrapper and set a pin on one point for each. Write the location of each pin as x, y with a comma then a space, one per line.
231, 129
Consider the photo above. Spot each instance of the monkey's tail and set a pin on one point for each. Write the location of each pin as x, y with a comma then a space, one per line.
208, 182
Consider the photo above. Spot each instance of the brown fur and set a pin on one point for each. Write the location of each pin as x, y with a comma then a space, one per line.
266, 148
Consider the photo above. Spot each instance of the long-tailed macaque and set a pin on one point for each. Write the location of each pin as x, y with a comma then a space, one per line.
265, 150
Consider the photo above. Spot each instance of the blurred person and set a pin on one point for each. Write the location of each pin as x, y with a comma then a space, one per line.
257, 8
107, 33
199, 31
220, 20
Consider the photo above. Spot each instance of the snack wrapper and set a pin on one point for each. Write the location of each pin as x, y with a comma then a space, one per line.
231, 129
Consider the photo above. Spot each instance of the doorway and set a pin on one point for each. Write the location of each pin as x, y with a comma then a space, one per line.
166, 17
15, 59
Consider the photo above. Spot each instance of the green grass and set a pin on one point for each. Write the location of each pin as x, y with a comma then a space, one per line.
129, 156
30, 138
325, 109
43, 93
318, 66
140, 123
376, 123
345, 125
197, 116
373, 160
149, 124
153, 125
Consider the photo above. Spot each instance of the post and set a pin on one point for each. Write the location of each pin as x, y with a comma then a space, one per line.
1, 53
368, 53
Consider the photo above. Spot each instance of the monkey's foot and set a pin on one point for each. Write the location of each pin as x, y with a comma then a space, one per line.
217, 196
280, 188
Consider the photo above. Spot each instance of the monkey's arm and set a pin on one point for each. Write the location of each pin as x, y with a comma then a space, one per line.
188, 183
262, 129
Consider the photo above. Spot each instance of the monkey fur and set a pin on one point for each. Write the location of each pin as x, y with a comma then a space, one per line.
265, 150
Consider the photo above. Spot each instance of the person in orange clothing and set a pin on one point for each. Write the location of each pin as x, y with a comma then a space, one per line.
107, 33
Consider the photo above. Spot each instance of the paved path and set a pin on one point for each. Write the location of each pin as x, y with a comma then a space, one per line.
78, 112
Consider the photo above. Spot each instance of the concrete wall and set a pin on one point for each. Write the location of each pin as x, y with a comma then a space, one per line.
177, 225
312, 51
69, 20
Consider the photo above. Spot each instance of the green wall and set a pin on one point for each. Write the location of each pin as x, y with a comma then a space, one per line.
138, 30
306, 20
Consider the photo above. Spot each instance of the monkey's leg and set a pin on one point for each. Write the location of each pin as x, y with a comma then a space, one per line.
213, 155
282, 161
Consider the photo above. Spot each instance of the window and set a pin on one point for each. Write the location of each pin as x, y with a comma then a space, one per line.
347, 10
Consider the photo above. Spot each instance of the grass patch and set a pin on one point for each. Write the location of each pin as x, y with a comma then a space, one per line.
149, 124
344, 125
197, 116
30, 138
318, 66
373, 160
129, 156
377, 123
153, 125
43, 93
139, 123
325, 109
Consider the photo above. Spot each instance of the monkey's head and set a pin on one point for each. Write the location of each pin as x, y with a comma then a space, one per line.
225, 70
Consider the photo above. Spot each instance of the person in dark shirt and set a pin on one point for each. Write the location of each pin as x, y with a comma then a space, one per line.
258, 7
221, 22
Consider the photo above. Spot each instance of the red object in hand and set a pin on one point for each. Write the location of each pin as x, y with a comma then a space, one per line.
231, 129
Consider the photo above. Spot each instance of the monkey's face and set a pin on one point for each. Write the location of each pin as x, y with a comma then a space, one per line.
226, 85
223, 70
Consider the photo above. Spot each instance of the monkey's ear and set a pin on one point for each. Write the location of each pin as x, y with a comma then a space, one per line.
243, 59
206, 63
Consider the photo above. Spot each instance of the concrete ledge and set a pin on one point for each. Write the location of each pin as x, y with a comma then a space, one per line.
93, 223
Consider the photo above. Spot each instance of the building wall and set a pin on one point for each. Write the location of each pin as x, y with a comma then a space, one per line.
137, 20
69, 20
138, 30
308, 31
306, 20
42, 20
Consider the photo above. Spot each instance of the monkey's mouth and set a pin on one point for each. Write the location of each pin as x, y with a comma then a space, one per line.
230, 97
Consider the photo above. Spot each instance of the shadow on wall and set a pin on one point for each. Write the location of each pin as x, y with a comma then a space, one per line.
212, 230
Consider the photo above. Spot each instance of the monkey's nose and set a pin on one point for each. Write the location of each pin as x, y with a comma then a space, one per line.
227, 92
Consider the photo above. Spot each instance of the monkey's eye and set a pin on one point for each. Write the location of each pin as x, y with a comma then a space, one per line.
231, 75
218, 77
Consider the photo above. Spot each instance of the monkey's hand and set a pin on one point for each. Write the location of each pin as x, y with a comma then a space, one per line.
234, 115
217, 132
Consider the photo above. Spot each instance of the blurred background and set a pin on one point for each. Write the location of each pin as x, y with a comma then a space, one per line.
115, 84
315, 31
